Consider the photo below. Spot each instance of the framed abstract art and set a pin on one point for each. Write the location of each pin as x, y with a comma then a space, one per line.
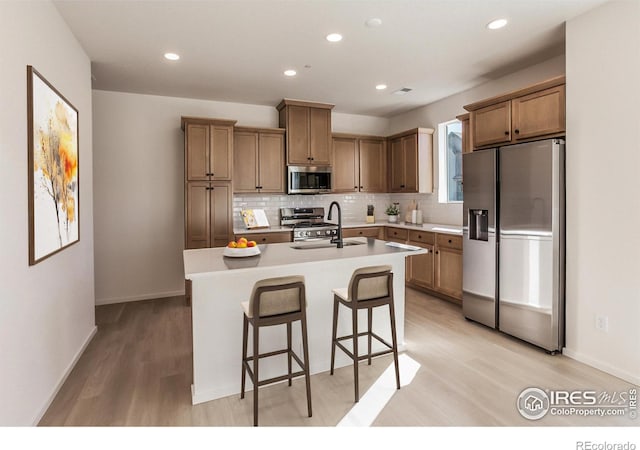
54, 189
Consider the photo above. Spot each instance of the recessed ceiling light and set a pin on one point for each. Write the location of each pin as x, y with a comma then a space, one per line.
290, 72
380, 87
498, 23
172, 56
334, 37
373, 22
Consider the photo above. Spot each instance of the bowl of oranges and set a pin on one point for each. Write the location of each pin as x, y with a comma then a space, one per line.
241, 248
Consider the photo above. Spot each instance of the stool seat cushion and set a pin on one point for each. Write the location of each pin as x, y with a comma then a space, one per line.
276, 302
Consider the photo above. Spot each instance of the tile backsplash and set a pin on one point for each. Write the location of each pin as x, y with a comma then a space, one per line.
353, 205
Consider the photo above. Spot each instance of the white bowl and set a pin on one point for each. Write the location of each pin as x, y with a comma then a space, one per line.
241, 252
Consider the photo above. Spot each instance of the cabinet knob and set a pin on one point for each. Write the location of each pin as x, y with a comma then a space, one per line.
360, 232
436, 252
402, 185
264, 239
449, 241
361, 187
419, 236
506, 133
517, 131
355, 187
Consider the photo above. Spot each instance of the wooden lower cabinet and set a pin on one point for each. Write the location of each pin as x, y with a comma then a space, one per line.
420, 268
448, 273
207, 214
372, 232
273, 237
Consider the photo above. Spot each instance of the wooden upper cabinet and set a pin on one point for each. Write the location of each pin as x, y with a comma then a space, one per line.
258, 164
320, 136
540, 113
208, 148
308, 130
537, 111
411, 161
245, 161
467, 145
271, 175
346, 177
492, 124
373, 167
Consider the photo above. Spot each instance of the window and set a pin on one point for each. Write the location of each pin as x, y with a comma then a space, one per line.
450, 162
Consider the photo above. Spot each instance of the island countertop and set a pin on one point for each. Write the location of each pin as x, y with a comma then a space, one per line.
206, 261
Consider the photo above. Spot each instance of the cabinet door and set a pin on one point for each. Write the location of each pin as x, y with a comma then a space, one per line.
372, 232
197, 152
245, 161
197, 212
410, 150
372, 166
449, 272
221, 228
298, 135
345, 165
271, 163
491, 124
467, 146
221, 149
420, 268
320, 136
539, 114
396, 161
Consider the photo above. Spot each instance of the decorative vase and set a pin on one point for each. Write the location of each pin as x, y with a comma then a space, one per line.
393, 219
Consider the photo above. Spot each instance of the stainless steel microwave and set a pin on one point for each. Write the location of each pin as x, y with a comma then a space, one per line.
308, 179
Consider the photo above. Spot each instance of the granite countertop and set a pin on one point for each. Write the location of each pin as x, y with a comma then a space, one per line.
433, 227
206, 261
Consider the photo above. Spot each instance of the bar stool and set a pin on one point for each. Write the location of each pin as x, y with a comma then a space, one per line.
274, 301
369, 287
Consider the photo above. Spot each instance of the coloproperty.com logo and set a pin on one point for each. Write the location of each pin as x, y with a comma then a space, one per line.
535, 403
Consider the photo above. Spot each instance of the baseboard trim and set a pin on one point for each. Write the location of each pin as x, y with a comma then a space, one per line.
600, 365
65, 375
135, 298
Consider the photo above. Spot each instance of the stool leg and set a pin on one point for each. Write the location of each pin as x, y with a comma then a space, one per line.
354, 320
334, 332
245, 333
289, 349
305, 348
256, 352
369, 321
394, 341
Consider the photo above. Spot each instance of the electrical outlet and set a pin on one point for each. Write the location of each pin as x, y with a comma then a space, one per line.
602, 323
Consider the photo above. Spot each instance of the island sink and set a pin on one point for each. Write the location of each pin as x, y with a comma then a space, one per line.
324, 245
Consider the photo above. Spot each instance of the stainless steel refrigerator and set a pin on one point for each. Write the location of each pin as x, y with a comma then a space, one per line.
513, 248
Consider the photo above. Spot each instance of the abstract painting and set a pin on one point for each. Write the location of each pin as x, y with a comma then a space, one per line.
53, 169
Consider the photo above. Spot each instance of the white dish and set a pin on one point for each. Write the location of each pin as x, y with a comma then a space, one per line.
241, 252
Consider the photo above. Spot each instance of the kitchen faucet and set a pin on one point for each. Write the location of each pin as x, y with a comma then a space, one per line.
338, 238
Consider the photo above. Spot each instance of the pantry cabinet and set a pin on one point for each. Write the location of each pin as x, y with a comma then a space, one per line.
258, 160
208, 156
410, 161
537, 111
308, 132
208, 148
359, 163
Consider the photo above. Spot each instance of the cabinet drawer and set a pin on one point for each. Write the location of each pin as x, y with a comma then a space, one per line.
397, 233
361, 232
268, 238
450, 241
424, 237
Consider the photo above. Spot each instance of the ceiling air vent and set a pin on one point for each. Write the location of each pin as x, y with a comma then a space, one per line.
402, 91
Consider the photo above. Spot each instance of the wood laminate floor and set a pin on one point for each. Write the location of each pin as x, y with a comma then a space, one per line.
137, 372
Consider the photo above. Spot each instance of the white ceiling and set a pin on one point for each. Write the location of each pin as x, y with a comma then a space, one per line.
237, 50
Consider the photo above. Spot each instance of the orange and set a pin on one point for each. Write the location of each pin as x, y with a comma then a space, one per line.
242, 245
232, 244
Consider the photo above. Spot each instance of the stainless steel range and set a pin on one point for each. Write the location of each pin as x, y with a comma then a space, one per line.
308, 224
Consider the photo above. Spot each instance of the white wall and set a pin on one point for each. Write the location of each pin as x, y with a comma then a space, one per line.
603, 210
448, 108
47, 310
139, 193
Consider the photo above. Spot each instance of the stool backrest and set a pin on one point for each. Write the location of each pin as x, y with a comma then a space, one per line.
280, 295
371, 282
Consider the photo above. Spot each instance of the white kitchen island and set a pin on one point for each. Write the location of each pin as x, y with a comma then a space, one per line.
219, 284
